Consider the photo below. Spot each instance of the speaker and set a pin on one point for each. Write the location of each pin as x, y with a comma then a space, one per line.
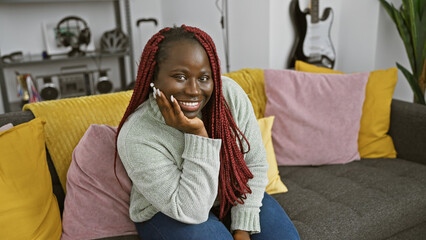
104, 85
49, 90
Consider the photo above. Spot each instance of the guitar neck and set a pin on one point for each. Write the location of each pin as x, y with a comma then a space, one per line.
314, 11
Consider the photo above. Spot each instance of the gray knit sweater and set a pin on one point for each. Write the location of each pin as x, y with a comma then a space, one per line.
177, 173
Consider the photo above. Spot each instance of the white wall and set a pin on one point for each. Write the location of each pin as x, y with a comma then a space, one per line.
202, 14
249, 34
357, 36
143, 9
245, 30
389, 50
260, 32
280, 26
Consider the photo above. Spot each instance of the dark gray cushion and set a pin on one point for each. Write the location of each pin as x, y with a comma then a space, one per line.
367, 199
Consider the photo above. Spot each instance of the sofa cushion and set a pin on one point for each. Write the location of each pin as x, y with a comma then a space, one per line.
65, 127
6, 127
367, 199
17, 118
28, 207
317, 116
373, 141
275, 185
252, 82
97, 204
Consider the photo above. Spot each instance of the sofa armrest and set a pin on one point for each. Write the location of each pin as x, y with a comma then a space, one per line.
16, 118
408, 130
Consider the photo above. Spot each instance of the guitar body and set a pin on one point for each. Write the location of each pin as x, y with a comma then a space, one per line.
312, 40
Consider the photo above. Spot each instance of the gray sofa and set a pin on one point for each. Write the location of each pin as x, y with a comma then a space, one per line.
366, 199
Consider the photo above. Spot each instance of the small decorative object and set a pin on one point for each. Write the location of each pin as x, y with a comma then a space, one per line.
45, 55
114, 41
26, 88
13, 57
410, 21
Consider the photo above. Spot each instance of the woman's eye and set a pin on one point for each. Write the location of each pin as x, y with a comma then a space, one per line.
180, 77
204, 78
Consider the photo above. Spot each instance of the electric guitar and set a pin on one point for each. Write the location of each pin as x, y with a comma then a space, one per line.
312, 43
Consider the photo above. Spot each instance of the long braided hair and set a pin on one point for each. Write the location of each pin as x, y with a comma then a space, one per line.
234, 173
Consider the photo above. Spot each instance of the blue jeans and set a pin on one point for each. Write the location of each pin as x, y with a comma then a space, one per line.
274, 223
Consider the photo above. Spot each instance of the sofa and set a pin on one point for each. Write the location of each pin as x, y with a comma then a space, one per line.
379, 198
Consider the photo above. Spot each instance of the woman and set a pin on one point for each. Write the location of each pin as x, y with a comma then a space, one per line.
191, 145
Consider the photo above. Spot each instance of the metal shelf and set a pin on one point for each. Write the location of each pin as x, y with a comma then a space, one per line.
38, 60
52, 1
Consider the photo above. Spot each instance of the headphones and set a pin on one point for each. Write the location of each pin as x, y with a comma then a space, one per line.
65, 37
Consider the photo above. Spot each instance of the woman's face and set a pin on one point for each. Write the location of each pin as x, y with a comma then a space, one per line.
186, 74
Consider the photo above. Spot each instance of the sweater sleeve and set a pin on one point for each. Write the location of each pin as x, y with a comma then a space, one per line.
246, 216
186, 191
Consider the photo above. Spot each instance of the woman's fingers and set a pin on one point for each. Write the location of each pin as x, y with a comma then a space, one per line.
172, 108
175, 105
171, 111
164, 105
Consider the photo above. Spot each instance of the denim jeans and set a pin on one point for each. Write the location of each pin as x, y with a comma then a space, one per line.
274, 223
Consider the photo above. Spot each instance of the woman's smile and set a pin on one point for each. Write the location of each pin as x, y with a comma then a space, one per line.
189, 106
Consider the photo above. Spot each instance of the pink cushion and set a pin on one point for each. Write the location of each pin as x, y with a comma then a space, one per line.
95, 205
317, 116
6, 127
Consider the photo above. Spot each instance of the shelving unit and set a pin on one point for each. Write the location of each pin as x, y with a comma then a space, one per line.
38, 60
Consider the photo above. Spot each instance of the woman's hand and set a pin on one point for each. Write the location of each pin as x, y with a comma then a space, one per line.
174, 117
241, 235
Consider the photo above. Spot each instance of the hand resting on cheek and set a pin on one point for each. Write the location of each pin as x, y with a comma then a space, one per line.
174, 117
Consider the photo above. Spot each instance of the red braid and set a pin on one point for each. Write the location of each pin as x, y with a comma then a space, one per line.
234, 173
143, 79
141, 90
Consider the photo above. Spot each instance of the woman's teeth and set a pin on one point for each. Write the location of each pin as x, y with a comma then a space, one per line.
190, 104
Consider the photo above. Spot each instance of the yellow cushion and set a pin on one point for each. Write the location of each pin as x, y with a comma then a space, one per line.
252, 82
28, 207
275, 185
373, 140
306, 67
68, 119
